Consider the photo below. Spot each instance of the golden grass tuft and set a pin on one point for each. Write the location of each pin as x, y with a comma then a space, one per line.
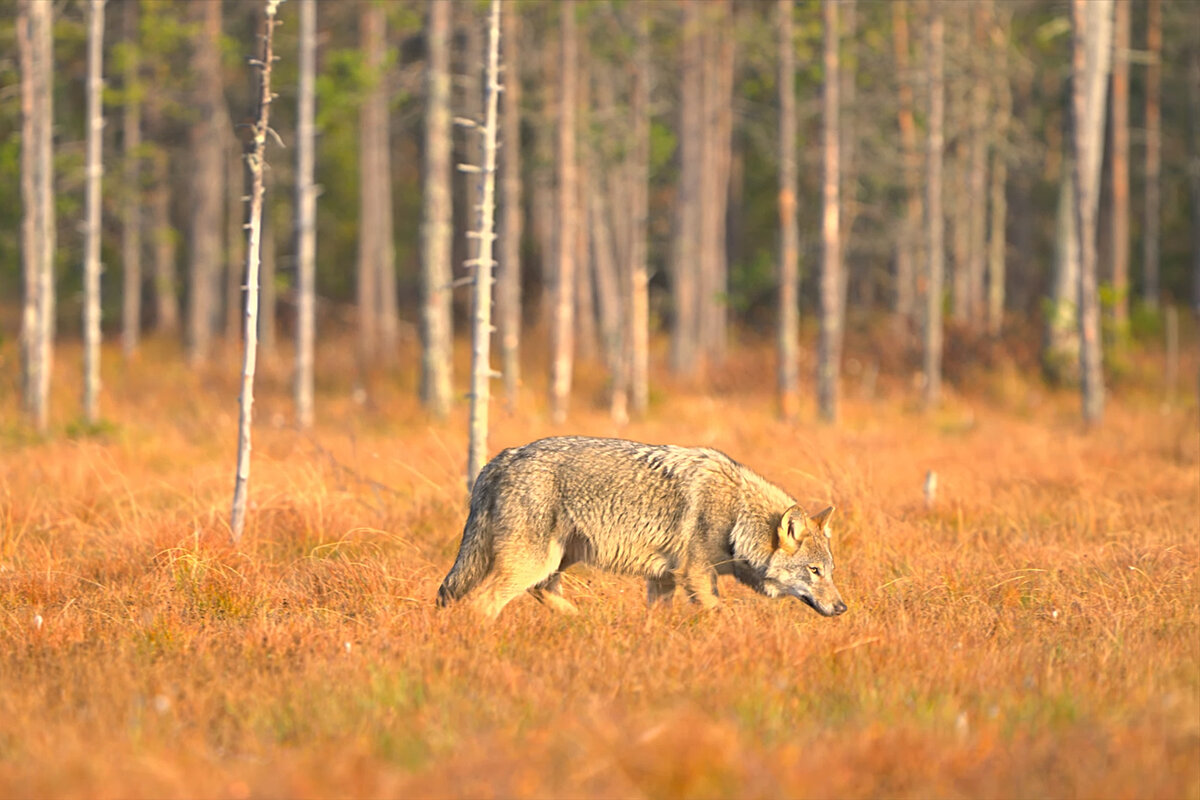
1035, 633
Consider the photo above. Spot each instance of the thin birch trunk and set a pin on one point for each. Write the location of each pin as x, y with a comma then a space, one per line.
563, 331
997, 229
91, 237
481, 333
511, 215
685, 252
1090, 58
908, 250
387, 309
35, 51
266, 282
639, 305
436, 225
306, 215
256, 160
207, 180
1120, 166
131, 201
1152, 291
934, 212
789, 232
371, 39
828, 345
235, 237
981, 100
586, 337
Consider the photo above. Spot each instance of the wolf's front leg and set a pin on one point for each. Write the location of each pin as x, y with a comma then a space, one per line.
660, 589
701, 587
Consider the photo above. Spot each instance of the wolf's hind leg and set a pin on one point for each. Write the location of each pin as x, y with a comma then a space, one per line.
660, 589
549, 594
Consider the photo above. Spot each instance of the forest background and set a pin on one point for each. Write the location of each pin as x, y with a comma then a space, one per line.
1022, 585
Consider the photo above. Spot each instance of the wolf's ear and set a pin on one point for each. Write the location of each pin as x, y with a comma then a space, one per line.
790, 528
821, 520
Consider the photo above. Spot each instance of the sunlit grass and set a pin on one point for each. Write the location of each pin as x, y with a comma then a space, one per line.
1036, 632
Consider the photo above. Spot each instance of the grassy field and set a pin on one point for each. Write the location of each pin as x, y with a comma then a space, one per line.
1035, 633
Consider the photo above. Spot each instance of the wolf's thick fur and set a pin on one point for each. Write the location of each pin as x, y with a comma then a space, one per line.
674, 515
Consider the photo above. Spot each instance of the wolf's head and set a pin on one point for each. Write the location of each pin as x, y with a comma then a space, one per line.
802, 564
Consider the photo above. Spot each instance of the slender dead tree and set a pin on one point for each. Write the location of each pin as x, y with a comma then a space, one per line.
562, 333
638, 339
933, 204
1091, 53
829, 340
208, 138
685, 249
1152, 290
437, 232
306, 215
371, 120
131, 202
511, 217
908, 251
256, 162
481, 329
998, 202
789, 231
91, 248
1119, 230
35, 51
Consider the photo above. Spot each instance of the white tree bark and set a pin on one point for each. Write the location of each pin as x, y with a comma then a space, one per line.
934, 213
256, 160
789, 230
481, 332
131, 216
306, 215
829, 343
91, 238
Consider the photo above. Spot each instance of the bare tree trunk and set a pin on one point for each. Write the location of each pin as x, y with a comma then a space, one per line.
511, 216
235, 237
306, 215
1152, 290
997, 229
370, 243
131, 200
586, 338
933, 204
908, 252
980, 100
562, 333
1060, 356
208, 137
714, 133
1120, 167
1090, 58
829, 340
266, 282
91, 251
35, 50
481, 331
685, 253
166, 300
847, 150
436, 226
387, 309
789, 231
639, 305
256, 160
1194, 169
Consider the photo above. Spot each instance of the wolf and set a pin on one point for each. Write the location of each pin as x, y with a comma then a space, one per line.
677, 516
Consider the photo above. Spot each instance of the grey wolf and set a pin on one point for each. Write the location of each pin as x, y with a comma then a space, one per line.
677, 516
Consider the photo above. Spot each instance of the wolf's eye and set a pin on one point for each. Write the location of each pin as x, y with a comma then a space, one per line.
815, 570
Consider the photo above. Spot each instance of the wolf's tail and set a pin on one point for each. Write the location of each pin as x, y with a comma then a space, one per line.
476, 554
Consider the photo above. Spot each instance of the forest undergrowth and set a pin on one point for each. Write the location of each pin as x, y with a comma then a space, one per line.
1033, 632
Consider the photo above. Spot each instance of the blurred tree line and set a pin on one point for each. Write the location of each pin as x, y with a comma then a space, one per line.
178, 99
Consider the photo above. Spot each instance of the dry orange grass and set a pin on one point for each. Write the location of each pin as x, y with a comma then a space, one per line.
1035, 633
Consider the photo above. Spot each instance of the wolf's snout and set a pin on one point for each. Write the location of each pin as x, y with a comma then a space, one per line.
839, 608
